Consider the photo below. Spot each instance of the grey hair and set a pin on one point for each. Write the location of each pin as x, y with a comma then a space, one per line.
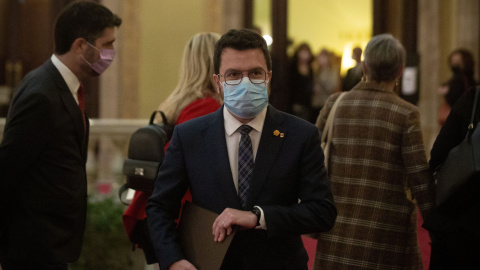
384, 57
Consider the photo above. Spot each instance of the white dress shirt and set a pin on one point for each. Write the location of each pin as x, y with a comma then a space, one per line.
70, 79
233, 139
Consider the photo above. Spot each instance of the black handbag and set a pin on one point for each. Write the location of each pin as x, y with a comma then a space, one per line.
462, 163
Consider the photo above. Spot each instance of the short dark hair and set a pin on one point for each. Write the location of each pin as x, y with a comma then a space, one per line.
84, 19
241, 40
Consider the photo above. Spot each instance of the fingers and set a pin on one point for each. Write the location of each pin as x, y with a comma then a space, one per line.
223, 225
229, 230
220, 230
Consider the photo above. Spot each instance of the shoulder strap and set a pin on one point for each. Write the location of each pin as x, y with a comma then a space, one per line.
327, 131
472, 119
162, 114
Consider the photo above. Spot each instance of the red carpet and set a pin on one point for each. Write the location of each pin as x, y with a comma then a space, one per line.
310, 245
423, 241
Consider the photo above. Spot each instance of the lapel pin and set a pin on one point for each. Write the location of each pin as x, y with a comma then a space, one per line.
276, 133
282, 135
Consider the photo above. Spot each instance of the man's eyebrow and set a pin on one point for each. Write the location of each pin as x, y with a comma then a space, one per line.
110, 42
252, 69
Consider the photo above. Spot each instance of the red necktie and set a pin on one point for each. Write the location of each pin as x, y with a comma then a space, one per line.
81, 104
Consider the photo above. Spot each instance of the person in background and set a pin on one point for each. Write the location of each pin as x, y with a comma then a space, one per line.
463, 67
195, 95
260, 169
378, 169
326, 81
453, 226
354, 74
43, 198
301, 81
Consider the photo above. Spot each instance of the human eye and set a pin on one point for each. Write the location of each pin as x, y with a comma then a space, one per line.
233, 75
257, 74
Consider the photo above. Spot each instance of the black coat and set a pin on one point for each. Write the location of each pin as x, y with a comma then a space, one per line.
462, 210
42, 172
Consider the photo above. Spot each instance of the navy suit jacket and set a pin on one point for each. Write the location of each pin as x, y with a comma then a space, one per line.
286, 169
42, 172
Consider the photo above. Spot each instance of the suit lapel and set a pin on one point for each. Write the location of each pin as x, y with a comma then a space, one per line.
270, 143
216, 147
71, 106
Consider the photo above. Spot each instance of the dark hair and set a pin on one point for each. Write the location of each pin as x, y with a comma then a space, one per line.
467, 59
85, 20
299, 48
241, 40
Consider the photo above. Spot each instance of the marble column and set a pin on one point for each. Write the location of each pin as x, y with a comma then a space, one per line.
430, 60
119, 97
443, 26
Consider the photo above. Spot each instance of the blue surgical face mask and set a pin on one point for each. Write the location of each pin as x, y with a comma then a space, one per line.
245, 100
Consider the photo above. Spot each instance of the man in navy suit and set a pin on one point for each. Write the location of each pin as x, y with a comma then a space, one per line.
285, 192
43, 194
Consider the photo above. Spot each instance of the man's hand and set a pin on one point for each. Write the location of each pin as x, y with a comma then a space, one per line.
182, 265
229, 217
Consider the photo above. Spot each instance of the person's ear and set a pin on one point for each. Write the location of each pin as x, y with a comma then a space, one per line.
269, 82
364, 77
78, 45
216, 80
400, 71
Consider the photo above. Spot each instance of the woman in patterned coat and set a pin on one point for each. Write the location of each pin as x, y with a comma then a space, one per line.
378, 170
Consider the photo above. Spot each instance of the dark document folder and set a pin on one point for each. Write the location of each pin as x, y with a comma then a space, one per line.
196, 238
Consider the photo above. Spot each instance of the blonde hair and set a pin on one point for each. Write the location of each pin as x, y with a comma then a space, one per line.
195, 75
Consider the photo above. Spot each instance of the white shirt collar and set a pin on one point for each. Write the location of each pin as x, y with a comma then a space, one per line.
232, 124
70, 79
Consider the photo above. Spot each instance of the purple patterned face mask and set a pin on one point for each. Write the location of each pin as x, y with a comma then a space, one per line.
106, 58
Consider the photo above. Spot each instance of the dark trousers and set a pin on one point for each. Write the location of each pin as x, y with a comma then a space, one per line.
458, 250
12, 265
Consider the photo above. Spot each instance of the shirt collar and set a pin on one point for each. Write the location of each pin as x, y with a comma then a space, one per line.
232, 124
70, 79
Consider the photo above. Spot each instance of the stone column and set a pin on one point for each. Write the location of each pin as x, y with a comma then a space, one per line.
118, 95
467, 28
430, 61
443, 27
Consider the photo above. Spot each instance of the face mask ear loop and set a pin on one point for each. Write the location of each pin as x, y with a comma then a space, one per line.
91, 45
88, 43
86, 61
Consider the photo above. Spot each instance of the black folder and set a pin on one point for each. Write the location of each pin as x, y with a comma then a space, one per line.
196, 238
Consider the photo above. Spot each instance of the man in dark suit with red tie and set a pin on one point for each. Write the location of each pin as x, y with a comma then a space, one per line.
260, 169
43, 187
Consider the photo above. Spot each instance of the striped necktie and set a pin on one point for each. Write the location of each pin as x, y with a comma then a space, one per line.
245, 163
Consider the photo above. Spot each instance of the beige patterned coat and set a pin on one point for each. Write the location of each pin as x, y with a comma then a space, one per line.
376, 154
